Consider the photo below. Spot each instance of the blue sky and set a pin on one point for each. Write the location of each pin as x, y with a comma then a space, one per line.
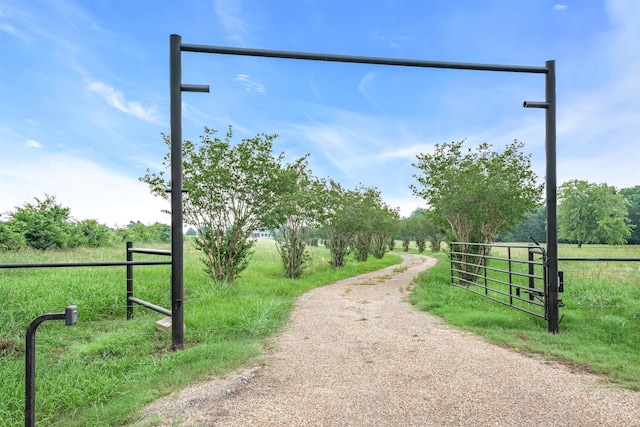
84, 90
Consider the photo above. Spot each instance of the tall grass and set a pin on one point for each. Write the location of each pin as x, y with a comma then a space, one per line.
100, 371
600, 323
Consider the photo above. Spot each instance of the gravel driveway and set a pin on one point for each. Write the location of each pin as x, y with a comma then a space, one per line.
357, 354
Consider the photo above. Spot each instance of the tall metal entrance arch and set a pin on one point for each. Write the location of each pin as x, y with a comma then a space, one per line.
177, 87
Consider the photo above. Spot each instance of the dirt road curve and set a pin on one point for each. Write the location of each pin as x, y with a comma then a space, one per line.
357, 354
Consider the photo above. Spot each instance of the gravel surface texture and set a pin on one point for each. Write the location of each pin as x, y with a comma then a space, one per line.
357, 354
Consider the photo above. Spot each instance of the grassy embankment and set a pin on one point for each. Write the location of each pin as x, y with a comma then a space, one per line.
600, 330
100, 371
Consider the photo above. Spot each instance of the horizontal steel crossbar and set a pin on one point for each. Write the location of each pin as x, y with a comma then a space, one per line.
326, 57
516, 260
85, 264
513, 273
598, 259
164, 252
150, 306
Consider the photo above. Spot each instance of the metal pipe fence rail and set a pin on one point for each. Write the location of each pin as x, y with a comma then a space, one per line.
515, 275
129, 264
130, 298
598, 259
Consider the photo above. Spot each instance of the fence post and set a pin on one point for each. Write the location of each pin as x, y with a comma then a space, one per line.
177, 243
129, 281
552, 197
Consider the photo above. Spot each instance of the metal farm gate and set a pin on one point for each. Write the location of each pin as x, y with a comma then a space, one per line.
516, 275
513, 275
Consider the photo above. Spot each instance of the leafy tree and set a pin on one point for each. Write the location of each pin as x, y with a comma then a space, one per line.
410, 229
434, 230
365, 211
479, 193
138, 232
421, 226
317, 234
126, 233
161, 232
10, 238
231, 190
299, 209
358, 221
339, 220
534, 225
406, 233
392, 239
384, 224
44, 224
592, 213
90, 233
420, 229
632, 195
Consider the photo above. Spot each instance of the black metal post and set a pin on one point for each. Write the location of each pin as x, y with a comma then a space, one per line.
129, 281
71, 317
551, 282
177, 243
552, 198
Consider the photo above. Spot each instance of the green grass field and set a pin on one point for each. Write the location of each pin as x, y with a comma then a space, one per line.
600, 324
101, 370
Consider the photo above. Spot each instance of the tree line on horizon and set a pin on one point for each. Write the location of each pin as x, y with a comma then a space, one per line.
472, 195
47, 225
588, 213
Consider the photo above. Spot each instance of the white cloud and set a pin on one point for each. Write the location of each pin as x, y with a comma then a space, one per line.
353, 148
117, 100
407, 152
315, 90
365, 86
11, 15
229, 13
90, 190
560, 7
248, 84
32, 143
9, 29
